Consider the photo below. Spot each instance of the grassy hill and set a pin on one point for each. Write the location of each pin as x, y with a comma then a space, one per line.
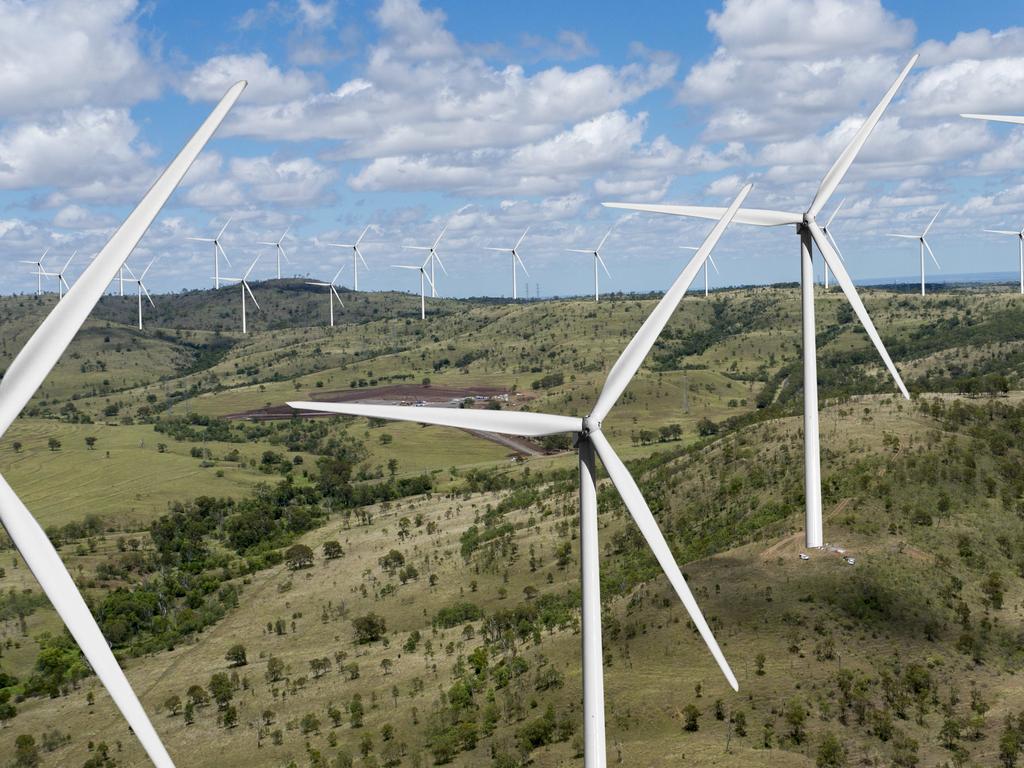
907, 657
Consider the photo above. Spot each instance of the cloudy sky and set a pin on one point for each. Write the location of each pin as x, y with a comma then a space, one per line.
493, 117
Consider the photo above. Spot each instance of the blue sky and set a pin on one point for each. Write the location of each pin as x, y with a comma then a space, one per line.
491, 117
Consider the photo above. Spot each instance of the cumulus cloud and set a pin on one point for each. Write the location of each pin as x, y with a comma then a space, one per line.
267, 84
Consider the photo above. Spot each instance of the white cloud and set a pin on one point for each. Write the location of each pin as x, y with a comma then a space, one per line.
287, 182
267, 83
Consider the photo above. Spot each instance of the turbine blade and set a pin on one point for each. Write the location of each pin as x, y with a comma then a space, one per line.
46, 565
405, 266
337, 296
606, 234
839, 272
835, 245
335, 278
362, 235
319, 285
523, 237
830, 218
43, 350
143, 287
579, 250
486, 248
223, 253
224, 228
360, 255
993, 231
249, 291
251, 267
520, 423
521, 263
713, 264
68, 262
417, 247
633, 355
146, 270
441, 263
202, 239
932, 221
930, 253
908, 237
997, 118
597, 255
644, 519
756, 216
845, 160
437, 242
286, 231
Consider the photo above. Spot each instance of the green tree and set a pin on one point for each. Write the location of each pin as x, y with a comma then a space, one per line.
26, 752
332, 550
230, 717
173, 704
236, 655
275, 669
355, 711
298, 556
369, 628
831, 752
90, 442
53, 443
691, 714
796, 718
221, 690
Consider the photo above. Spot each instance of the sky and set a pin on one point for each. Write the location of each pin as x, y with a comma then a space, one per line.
490, 118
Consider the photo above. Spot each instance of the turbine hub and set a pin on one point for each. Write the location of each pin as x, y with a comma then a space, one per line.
590, 424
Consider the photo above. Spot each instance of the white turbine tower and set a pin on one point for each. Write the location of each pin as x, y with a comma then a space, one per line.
21, 381
596, 253
424, 278
810, 234
431, 258
922, 244
357, 255
827, 229
218, 251
120, 278
1020, 249
142, 289
243, 282
40, 272
332, 291
711, 259
279, 251
589, 440
62, 283
514, 250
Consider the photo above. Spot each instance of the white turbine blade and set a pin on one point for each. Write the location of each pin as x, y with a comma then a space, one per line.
337, 295
68, 262
993, 231
223, 252
65, 282
644, 519
320, 285
523, 237
263, 242
713, 264
43, 350
929, 249
832, 217
249, 291
580, 250
521, 263
486, 248
202, 239
597, 255
689, 247
227, 279
839, 271
756, 216
417, 247
284, 253
606, 234
440, 263
429, 281
251, 267
146, 270
908, 237
520, 423
342, 245
143, 287
640, 345
360, 255
932, 222
283, 236
335, 278
44, 255
361, 235
219, 234
997, 118
834, 245
845, 160
438, 241
405, 266
46, 565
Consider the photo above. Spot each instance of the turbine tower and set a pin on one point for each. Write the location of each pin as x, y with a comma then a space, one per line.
596, 253
142, 289
922, 244
1020, 249
424, 278
218, 251
514, 250
21, 381
590, 440
432, 257
710, 259
357, 255
40, 272
279, 251
243, 282
810, 234
332, 291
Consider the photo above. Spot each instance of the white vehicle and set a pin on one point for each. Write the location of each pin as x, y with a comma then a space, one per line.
804, 556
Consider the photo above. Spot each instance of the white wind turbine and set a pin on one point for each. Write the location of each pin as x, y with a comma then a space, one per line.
142, 288
514, 250
243, 282
827, 229
332, 291
596, 253
40, 272
589, 440
21, 381
357, 255
120, 278
922, 244
1020, 248
279, 251
432, 257
810, 234
424, 278
218, 251
62, 283
710, 259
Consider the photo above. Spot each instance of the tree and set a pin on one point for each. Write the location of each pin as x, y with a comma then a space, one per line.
690, 716
16, 446
53, 443
221, 690
831, 752
90, 442
706, 427
236, 655
310, 724
275, 669
298, 556
796, 717
173, 704
335, 714
369, 628
26, 753
197, 697
230, 717
332, 550
355, 711
759, 661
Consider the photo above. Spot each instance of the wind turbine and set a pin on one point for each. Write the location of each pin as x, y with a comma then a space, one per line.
596, 253
828, 233
332, 291
357, 255
218, 251
279, 251
142, 289
432, 257
422, 269
810, 234
589, 440
710, 259
21, 381
38, 264
62, 283
923, 243
243, 282
1020, 247
514, 250
120, 278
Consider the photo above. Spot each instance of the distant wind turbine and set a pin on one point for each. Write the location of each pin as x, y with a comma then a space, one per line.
589, 440
923, 244
810, 234
279, 251
596, 253
142, 289
431, 258
1020, 248
357, 255
424, 277
710, 259
243, 282
62, 283
514, 250
218, 251
40, 272
332, 291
